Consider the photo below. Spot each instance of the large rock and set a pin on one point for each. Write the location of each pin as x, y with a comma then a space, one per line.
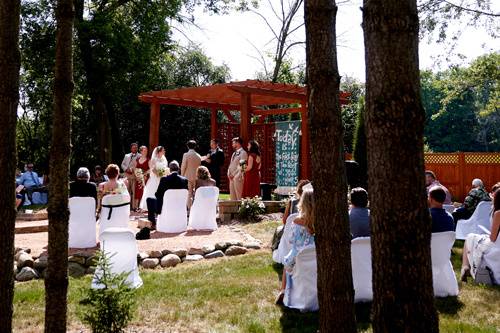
155, 254
252, 245
15, 268
79, 259
215, 254
76, 270
196, 250
27, 274
91, 261
142, 255
181, 253
90, 270
236, 250
208, 249
170, 260
24, 260
165, 252
193, 257
41, 263
234, 243
150, 263
221, 246
23, 249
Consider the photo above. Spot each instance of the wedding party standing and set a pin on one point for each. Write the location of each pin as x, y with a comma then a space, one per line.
215, 160
234, 171
189, 166
251, 182
128, 165
141, 172
158, 167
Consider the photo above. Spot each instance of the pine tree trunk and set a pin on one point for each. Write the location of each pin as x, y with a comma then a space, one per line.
56, 280
400, 222
10, 60
333, 240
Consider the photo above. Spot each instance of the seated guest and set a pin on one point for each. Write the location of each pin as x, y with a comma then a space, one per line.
291, 206
82, 187
114, 185
98, 177
203, 178
173, 181
31, 182
441, 219
302, 237
359, 214
475, 196
476, 246
431, 181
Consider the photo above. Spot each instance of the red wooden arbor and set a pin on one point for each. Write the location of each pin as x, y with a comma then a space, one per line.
250, 98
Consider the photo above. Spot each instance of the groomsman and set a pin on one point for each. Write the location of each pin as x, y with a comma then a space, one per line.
190, 163
128, 166
215, 160
234, 171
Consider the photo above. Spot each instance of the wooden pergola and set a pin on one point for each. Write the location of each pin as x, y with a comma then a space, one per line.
250, 98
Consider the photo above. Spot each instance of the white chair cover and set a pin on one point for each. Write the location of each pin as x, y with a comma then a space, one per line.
120, 216
203, 214
173, 217
82, 223
449, 208
481, 216
361, 261
444, 279
120, 246
491, 259
284, 246
303, 294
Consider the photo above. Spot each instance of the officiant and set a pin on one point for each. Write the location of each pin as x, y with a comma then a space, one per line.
214, 160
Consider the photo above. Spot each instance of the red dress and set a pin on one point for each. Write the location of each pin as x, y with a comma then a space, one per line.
251, 182
139, 188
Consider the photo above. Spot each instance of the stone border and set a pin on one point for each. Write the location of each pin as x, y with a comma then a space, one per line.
36, 216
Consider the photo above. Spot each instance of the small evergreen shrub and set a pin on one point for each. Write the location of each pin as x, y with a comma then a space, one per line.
251, 208
110, 309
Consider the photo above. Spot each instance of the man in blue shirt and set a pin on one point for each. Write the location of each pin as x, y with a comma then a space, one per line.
359, 215
441, 219
31, 183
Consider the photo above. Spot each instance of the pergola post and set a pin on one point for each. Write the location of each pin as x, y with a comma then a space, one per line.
245, 107
305, 171
213, 121
154, 125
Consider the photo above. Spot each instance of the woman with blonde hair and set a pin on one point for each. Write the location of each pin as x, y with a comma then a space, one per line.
302, 237
203, 178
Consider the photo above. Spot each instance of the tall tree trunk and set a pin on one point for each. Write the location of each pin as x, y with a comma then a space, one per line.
400, 222
56, 280
10, 60
333, 239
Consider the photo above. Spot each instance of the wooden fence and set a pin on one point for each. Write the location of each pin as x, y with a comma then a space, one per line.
457, 170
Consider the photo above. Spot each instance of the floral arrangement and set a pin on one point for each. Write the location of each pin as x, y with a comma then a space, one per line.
251, 208
139, 175
243, 165
161, 170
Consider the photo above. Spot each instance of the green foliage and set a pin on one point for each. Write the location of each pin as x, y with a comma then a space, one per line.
109, 309
251, 209
360, 153
462, 106
350, 111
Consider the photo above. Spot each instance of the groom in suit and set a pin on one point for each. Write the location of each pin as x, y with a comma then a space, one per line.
174, 181
128, 165
234, 172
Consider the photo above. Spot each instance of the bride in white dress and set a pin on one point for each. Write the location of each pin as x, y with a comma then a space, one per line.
158, 166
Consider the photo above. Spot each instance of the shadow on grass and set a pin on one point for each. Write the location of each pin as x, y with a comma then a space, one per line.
278, 268
448, 305
294, 321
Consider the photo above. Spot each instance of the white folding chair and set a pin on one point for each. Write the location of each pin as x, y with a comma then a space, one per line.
115, 212
284, 246
173, 217
203, 214
443, 277
120, 246
303, 292
491, 258
361, 261
82, 223
449, 208
481, 216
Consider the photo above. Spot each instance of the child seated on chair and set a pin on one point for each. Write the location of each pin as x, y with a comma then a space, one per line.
302, 237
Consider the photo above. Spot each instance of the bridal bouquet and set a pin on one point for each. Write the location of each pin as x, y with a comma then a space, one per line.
161, 170
139, 175
243, 165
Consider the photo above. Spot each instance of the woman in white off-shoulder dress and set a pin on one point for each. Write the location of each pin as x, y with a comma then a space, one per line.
158, 167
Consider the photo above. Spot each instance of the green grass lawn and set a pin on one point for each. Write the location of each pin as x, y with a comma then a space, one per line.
237, 295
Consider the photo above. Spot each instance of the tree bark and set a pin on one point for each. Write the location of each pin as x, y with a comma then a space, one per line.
10, 60
56, 281
333, 239
400, 222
